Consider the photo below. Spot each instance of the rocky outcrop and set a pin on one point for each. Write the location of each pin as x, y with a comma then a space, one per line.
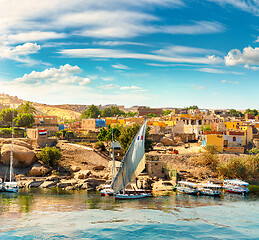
39, 170
83, 174
166, 141
22, 156
17, 142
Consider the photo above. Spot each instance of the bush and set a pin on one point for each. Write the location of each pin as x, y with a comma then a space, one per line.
49, 156
209, 157
254, 151
99, 145
245, 168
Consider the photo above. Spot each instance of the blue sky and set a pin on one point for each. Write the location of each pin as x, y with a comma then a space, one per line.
159, 53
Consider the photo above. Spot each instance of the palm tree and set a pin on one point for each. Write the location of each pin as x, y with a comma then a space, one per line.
27, 107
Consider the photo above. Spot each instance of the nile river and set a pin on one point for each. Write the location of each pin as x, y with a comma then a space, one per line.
53, 214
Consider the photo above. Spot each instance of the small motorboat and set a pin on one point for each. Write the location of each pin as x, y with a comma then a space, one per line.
187, 188
209, 189
107, 191
236, 186
126, 196
12, 187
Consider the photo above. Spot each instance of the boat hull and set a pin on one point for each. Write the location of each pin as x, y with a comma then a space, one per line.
237, 191
189, 192
208, 193
132, 196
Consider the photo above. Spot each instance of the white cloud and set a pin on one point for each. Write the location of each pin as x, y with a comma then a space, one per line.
109, 86
107, 78
100, 68
186, 50
230, 82
218, 71
130, 88
120, 54
198, 87
257, 40
63, 75
248, 56
118, 43
120, 66
198, 27
20, 52
31, 36
245, 5
251, 67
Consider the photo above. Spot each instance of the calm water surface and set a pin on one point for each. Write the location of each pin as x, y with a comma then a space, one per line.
53, 214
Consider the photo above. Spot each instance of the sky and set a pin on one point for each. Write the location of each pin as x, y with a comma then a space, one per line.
157, 53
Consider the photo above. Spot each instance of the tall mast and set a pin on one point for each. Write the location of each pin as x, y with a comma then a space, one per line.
113, 160
11, 154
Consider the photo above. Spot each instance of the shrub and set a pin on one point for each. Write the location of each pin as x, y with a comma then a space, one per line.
49, 156
245, 168
99, 145
209, 157
254, 151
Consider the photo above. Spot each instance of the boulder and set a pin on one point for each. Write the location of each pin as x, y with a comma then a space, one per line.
39, 170
167, 141
18, 142
75, 168
49, 184
83, 174
35, 184
67, 183
22, 156
98, 168
159, 145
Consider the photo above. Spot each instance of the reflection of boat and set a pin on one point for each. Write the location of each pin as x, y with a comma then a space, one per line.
11, 186
1, 184
209, 189
187, 188
132, 164
236, 186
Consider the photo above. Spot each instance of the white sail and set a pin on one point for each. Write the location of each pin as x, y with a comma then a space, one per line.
131, 164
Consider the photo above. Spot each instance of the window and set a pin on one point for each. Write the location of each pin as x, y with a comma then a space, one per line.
234, 139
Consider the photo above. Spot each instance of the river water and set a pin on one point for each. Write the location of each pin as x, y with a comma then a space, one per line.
57, 214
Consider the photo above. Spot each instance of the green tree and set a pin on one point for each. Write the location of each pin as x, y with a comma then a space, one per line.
250, 111
127, 135
27, 107
106, 135
49, 156
152, 115
7, 115
235, 113
166, 112
193, 107
205, 128
112, 112
24, 120
131, 114
91, 112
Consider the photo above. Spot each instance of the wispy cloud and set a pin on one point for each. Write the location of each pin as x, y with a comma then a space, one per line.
120, 54
130, 88
107, 78
217, 71
198, 27
198, 87
120, 66
109, 86
118, 43
245, 5
100, 68
251, 67
230, 82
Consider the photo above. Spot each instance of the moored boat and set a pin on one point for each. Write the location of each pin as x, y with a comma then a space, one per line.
209, 189
132, 164
10, 187
187, 188
236, 186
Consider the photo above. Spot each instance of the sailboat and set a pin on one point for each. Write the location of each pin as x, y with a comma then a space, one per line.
11, 186
132, 164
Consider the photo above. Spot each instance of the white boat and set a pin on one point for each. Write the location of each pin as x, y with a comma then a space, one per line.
187, 188
209, 189
11, 186
236, 186
1, 185
132, 164
107, 191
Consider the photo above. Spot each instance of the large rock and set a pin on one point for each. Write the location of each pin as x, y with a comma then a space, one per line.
22, 156
39, 170
18, 142
166, 141
83, 174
